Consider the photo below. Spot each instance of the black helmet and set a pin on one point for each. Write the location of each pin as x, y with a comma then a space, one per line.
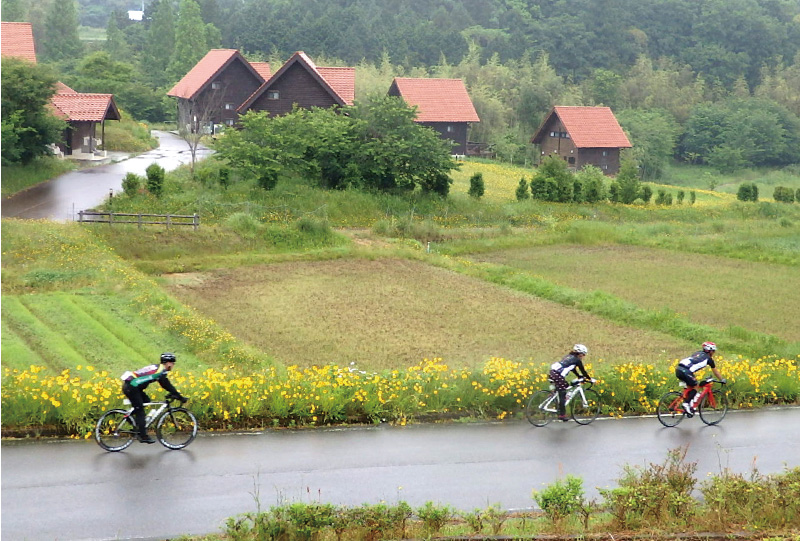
167, 358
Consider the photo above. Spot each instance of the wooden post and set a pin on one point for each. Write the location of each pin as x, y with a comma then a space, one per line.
140, 220
168, 217
80, 216
195, 221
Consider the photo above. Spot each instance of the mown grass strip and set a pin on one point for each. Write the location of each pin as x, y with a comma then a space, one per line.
38, 337
16, 352
623, 312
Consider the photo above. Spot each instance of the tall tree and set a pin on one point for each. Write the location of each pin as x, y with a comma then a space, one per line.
13, 10
60, 40
160, 44
191, 40
28, 126
116, 45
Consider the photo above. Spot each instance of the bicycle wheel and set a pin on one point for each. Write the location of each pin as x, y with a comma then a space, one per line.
114, 430
588, 412
536, 414
670, 409
713, 414
176, 428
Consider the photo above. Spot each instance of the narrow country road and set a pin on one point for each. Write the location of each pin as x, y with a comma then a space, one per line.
61, 198
72, 490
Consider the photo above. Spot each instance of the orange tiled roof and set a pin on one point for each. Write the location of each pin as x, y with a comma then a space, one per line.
588, 127
205, 70
437, 100
339, 82
75, 106
16, 39
263, 69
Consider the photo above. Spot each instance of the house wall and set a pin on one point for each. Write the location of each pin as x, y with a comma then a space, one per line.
556, 140
76, 135
295, 85
458, 134
237, 83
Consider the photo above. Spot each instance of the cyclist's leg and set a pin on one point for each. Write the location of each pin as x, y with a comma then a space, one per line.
137, 398
561, 386
688, 378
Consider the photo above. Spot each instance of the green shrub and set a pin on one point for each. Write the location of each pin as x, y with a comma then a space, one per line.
658, 495
522, 190
243, 224
476, 186
646, 194
692, 197
434, 516
748, 191
783, 194
561, 499
155, 179
131, 184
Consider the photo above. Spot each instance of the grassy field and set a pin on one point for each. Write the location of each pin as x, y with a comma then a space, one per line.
701, 287
387, 313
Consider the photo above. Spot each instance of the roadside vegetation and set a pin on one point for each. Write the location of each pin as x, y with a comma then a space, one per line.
664, 499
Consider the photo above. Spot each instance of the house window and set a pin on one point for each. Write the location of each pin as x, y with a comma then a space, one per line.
572, 160
450, 129
229, 122
604, 166
553, 134
566, 135
273, 95
216, 85
605, 153
229, 106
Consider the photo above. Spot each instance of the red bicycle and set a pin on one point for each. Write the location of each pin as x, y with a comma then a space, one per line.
712, 400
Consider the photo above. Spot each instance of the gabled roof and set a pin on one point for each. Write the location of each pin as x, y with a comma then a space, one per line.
263, 69
16, 39
76, 107
588, 127
437, 100
206, 70
340, 83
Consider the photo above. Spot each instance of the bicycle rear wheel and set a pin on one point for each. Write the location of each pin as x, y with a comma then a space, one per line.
176, 428
712, 414
114, 430
670, 409
588, 412
535, 412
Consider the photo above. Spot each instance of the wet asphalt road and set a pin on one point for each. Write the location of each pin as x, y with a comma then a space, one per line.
72, 490
61, 198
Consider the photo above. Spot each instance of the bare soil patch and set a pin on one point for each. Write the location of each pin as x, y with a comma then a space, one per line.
391, 313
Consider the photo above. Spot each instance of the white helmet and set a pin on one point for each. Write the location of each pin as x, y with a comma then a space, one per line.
580, 348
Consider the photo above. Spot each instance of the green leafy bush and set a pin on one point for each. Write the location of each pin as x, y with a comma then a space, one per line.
131, 184
155, 179
476, 186
561, 499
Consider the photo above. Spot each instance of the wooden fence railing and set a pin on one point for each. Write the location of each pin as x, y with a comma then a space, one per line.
91, 216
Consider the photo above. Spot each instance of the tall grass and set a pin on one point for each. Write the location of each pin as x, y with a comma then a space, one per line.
19, 177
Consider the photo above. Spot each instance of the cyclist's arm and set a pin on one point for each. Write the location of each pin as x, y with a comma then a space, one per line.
168, 386
581, 370
717, 374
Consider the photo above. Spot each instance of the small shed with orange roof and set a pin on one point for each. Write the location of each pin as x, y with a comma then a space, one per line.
82, 112
442, 104
301, 82
583, 136
216, 86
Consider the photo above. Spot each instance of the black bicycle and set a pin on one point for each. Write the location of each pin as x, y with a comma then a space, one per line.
176, 427
583, 404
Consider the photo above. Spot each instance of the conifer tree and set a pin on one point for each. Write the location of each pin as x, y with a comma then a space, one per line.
160, 44
190, 40
60, 40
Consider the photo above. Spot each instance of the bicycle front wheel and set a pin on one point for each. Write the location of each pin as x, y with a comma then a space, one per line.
176, 428
586, 412
114, 430
535, 411
714, 407
670, 409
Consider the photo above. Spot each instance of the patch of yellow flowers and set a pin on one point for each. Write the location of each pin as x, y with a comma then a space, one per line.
35, 400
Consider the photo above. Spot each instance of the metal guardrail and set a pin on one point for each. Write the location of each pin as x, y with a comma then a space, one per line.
90, 216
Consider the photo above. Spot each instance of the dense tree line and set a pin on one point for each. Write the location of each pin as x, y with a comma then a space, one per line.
710, 81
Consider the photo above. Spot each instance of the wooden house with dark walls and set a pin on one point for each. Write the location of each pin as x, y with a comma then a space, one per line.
582, 136
215, 87
442, 104
301, 82
84, 113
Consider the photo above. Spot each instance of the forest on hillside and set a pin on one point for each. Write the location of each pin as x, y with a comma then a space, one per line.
713, 81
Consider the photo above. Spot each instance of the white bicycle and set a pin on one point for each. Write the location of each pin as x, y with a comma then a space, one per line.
175, 427
582, 403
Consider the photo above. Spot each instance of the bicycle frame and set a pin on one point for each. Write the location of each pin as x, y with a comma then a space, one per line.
706, 385
152, 414
551, 403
